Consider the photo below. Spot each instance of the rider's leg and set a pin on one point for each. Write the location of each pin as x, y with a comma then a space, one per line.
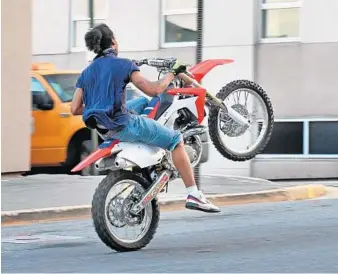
148, 131
182, 163
138, 104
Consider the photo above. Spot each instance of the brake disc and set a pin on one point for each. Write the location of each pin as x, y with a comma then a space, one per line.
115, 211
230, 127
127, 216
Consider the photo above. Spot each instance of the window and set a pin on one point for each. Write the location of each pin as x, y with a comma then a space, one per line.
80, 27
280, 20
179, 23
323, 137
286, 138
36, 87
63, 85
81, 21
39, 93
306, 138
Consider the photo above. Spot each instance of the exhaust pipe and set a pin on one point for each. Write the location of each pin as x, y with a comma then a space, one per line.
120, 163
112, 163
105, 163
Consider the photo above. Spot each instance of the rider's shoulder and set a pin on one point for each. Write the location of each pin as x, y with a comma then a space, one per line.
124, 59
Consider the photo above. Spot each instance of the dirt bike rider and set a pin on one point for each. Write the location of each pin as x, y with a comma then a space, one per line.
100, 93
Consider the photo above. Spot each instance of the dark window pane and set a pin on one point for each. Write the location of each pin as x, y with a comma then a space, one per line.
287, 138
180, 28
323, 138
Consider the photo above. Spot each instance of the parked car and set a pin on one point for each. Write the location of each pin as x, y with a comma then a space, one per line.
59, 138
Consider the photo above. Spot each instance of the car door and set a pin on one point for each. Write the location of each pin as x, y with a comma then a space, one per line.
45, 148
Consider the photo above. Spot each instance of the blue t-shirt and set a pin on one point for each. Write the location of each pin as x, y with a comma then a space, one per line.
103, 83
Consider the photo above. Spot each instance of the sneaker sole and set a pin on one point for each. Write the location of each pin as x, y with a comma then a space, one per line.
202, 209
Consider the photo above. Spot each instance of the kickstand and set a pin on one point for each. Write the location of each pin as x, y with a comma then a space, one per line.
166, 188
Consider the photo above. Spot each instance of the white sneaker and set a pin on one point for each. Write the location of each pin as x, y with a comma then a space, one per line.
197, 201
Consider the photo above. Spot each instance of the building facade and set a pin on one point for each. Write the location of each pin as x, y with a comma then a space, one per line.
290, 47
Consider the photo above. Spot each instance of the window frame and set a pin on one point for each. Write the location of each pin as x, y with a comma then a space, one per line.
163, 14
306, 140
75, 18
279, 5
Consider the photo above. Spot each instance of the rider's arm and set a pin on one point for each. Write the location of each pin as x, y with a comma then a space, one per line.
77, 103
149, 87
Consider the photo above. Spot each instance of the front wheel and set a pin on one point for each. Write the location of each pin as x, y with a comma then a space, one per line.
247, 98
112, 201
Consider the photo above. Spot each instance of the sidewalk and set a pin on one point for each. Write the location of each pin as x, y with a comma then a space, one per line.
44, 191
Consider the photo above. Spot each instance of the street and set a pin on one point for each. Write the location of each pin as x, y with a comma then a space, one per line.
270, 237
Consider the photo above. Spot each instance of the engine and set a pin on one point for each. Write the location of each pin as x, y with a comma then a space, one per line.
184, 119
193, 147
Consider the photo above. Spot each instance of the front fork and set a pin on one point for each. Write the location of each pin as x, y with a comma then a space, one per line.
233, 114
152, 192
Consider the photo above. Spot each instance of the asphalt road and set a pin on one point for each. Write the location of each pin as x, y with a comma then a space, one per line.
273, 237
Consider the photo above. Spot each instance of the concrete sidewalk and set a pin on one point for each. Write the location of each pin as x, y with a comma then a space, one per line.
43, 191
42, 198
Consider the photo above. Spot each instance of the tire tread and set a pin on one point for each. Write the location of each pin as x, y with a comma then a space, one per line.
213, 114
98, 217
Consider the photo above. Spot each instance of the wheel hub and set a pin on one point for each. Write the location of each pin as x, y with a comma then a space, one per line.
230, 127
119, 212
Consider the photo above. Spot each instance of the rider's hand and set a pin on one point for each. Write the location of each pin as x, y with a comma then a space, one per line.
178, 67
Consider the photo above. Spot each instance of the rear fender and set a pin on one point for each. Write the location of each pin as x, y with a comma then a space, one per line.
201, 69
104, 150
140, 154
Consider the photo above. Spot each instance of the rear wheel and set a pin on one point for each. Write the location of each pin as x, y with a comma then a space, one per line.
247, 98
113, 223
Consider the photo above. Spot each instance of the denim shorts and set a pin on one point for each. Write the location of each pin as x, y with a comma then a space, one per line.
146, 130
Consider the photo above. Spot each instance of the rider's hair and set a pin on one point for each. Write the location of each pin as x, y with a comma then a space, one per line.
99, 38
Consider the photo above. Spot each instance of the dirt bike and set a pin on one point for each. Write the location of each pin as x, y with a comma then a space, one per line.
127, 198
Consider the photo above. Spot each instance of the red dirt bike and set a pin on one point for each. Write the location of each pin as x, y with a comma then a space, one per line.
127, 198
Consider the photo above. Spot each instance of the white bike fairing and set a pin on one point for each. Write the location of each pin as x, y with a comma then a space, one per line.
140, 154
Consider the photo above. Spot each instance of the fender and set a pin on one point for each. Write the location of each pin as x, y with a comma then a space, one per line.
138, 153
201, 69
103, 151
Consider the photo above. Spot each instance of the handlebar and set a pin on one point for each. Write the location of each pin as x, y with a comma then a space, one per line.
160, 63
163, 64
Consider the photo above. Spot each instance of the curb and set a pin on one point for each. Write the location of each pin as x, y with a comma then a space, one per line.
84, 211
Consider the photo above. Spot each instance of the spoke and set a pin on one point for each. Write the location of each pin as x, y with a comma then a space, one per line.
258, 120
246, 98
